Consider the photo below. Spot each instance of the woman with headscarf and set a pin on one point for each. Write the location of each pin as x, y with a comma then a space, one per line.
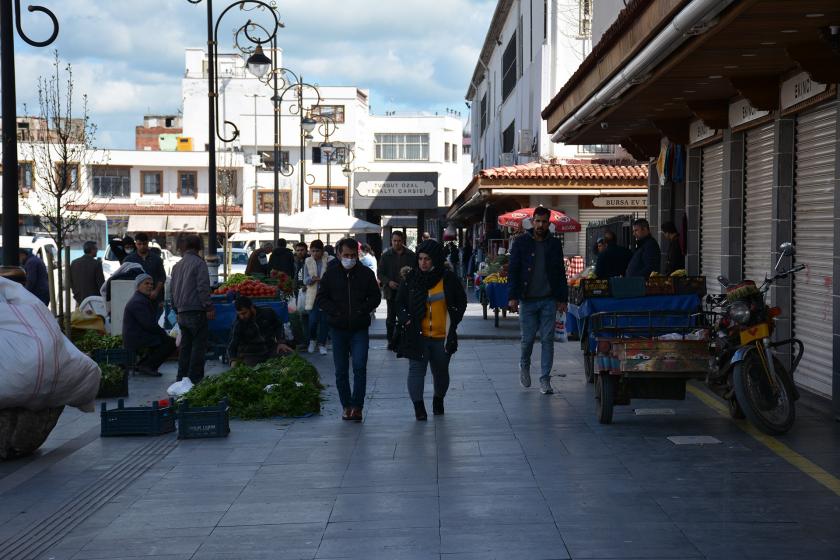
430, 303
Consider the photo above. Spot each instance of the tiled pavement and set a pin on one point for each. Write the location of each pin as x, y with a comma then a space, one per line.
506, 473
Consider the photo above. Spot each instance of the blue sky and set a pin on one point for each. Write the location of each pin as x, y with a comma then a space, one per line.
128, 55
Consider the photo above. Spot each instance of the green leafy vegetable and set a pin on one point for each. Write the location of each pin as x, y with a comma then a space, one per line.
92, 340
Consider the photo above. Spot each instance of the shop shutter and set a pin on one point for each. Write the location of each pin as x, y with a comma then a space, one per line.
816, 152
710, 218
758, 203
587, 216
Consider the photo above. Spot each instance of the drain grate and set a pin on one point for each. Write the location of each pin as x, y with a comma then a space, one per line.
44, 534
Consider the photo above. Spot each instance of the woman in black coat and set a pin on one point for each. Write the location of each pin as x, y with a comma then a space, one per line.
431, 302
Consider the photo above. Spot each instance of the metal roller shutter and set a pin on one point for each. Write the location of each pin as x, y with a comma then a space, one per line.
710, 218
587, 216
758, 203
816, 149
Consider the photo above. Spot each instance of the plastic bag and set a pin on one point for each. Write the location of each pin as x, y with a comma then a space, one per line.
180, 388
560, 327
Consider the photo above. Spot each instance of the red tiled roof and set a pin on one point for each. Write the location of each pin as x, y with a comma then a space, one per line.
156, 209
588, 171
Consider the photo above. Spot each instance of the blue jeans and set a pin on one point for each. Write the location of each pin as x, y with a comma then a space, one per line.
318, 326
346, 344
537, 316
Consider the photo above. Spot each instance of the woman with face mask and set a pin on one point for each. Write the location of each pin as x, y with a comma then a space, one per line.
431, 302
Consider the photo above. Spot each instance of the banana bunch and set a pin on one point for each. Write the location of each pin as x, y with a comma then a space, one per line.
680, 272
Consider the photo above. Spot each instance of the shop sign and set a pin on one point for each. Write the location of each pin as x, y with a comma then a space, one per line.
741, 112
699, 131
800, 88
619, 202
395, 188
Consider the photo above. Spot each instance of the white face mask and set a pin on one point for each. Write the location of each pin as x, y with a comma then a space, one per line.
263, 259
348, 263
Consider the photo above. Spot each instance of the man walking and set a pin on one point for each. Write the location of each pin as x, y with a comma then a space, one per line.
348, 294
282, 259
86, 276
191, 300
152, 265
537, 277
37, 279
647, 255
390, 265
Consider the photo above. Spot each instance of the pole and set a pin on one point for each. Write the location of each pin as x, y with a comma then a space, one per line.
329, 167
275, 103
302, 138
212, 260
10, 229
256, 182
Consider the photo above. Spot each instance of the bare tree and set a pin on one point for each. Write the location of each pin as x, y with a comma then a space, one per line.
60, 150
226, 200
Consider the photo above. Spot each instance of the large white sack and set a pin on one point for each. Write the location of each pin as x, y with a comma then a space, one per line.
39, 367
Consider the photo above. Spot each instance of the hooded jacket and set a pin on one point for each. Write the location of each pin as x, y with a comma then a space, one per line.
348, 296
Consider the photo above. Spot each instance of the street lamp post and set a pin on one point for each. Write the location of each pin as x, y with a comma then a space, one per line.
212, 111
8, 12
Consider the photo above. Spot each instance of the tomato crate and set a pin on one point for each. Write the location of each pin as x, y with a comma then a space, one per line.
659, 286
589, 288
137, 420
203, 422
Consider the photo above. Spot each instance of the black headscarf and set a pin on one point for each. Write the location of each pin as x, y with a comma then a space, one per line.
428, 280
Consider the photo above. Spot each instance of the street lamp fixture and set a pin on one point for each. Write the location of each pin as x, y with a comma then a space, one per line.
258, 63
308, 124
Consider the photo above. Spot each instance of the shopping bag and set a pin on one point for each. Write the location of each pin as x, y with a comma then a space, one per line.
560, 327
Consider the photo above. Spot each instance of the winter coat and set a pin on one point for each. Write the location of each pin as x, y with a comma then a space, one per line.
674, 259
310, 269
282, 259
522, 264
348, 296
646, 258
140, 323
411, 306
613, 261
390, 266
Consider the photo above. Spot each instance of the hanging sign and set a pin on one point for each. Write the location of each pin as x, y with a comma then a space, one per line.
800, 88
741, 112
699, 131
619, 202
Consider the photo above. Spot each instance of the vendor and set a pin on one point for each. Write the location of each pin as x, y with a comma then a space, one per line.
612, 261
674, 258
647, 255
258, 262
256, 335
141, 332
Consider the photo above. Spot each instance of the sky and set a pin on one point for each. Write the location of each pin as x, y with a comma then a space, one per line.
127, 56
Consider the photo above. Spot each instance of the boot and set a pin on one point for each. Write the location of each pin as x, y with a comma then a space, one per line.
420, 411
437, 405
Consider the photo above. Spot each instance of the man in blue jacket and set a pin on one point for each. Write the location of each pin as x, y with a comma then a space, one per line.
537, 279
647, 255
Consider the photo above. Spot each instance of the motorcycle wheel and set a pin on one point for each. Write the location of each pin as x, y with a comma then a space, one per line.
605, 388
771, 413
589, 367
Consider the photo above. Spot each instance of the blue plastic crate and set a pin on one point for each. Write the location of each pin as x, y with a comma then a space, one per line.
138, 420
203, 422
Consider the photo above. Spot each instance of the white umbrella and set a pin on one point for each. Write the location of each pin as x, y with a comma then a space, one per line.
320, 220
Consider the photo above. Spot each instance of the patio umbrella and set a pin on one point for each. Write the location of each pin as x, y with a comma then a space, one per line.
562, 222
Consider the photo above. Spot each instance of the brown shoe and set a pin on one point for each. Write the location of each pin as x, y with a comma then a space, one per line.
347, 414
356, 414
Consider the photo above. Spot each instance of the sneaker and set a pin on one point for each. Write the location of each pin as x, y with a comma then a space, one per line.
545, 387
525, 377
322, 350
311, 348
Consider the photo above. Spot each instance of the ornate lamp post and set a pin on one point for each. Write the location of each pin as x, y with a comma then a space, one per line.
7, 84
212, 110
348, 172
327, 127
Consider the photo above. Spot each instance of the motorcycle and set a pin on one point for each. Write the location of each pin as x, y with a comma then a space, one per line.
745, 370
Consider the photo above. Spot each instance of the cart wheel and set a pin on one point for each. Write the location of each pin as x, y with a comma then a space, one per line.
504, 312
605, 386
735, 409
589, 367
496, 317
484, 308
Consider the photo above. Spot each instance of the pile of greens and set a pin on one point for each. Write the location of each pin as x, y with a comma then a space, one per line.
112, 377
92, 340
295, 389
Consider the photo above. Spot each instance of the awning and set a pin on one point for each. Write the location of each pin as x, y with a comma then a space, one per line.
146, 223
187, 224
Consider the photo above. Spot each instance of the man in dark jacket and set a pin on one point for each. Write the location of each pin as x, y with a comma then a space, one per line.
257, 334
141, 332
392, 262
674, 258
282, 259
613, 260
537, 277
647, 255
152, 265
86, 276
349, 294
37, 279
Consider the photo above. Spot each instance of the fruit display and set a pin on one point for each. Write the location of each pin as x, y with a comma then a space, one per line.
250, 287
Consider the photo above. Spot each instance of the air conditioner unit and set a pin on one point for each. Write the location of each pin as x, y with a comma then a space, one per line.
525, 142
507, 159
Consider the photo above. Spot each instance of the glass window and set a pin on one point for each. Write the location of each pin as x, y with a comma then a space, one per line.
483, 113
507, 138
401, 147
68, 172
334, 112
25, 176
509, 68
446, 151
151, 183
265, 202
111, 182
597, 149
337, 196
454, 153
226, 183
187, 183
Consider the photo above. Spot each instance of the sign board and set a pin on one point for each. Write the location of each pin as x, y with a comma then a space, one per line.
395, 191
619, 202
741, 112
800, 88
699, 131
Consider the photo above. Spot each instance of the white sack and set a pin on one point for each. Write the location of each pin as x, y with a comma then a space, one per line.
40, 368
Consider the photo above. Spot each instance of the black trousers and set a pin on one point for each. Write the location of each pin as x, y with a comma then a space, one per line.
391, 319
156, 355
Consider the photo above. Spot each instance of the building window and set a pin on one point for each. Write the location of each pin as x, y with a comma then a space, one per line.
111, 182
446, 197
585, 19
338, 156
264, 202
25, 176
337, 196
401, 147
446, 151
596, 149
188, 183
483, 113
267, 159
454, 153
226, 183
151, 183
509, 68
70, 175
507, 138
333, 112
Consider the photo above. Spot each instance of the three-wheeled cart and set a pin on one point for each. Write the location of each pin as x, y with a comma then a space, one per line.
646, 355
496, 298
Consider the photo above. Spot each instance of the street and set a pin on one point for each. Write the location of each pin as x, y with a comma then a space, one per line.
505, 473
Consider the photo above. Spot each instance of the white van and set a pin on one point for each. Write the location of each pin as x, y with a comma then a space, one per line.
248, 241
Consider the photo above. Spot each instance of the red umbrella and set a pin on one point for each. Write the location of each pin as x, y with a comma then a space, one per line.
562, 222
